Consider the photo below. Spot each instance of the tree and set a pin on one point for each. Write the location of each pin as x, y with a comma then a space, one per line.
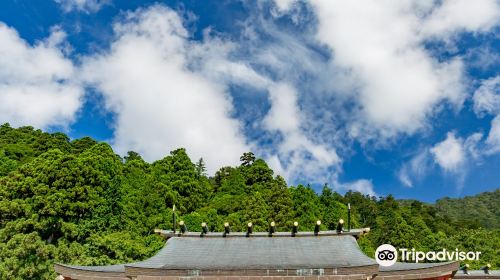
131, 155
257, 174
200, 168
306, 206
178, 173
26, 256
256, 211
6, 164
82, 144
363, 208
280, 204
332, 209
247, 159
62, 195
393, 229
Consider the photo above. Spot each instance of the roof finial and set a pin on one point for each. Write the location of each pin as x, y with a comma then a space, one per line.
316, 227
272, 228
295, 228
486, 268
249, 229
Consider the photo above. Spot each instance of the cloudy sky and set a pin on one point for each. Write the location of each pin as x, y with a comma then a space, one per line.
382, 97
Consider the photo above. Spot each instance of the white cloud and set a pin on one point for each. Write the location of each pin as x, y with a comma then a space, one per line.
454, 155
362, 185
493, 139
381, 44
160, 103
487, 101
472, 145
452, 16
297, 156
487, 97
284, 115
400, 83
36, 82
211, 59
381, 81
415, 169
404, 178
284, 4
449, 154
82, 5
483, 57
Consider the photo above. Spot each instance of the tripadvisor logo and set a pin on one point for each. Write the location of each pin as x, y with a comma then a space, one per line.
387, 255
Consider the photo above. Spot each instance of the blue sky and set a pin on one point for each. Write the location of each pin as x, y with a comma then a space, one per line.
377, 97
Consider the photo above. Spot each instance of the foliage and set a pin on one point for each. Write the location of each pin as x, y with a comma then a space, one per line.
78, 202
483, 210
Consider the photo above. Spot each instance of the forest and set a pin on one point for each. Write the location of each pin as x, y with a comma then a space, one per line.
77, 202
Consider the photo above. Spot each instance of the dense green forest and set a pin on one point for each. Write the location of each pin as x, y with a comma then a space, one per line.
76, 201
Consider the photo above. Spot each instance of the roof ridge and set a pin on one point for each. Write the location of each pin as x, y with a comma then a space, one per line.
353, 232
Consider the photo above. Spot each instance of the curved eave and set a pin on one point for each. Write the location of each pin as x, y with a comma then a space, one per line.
361, 272
92, 272
417, 270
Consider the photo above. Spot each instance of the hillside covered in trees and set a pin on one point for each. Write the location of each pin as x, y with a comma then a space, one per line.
76, 201
483, 209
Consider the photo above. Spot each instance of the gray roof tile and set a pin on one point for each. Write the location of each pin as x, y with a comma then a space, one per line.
258, 253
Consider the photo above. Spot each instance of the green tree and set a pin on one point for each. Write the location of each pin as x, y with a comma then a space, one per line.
200, 168
247, 159
332, 209
131, 155
280, 204
255, 210
26, 256
178, 173
306, 206
6, 164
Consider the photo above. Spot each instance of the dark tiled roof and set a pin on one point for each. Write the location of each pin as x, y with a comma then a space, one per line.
328, 252
258, 253
250, 253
